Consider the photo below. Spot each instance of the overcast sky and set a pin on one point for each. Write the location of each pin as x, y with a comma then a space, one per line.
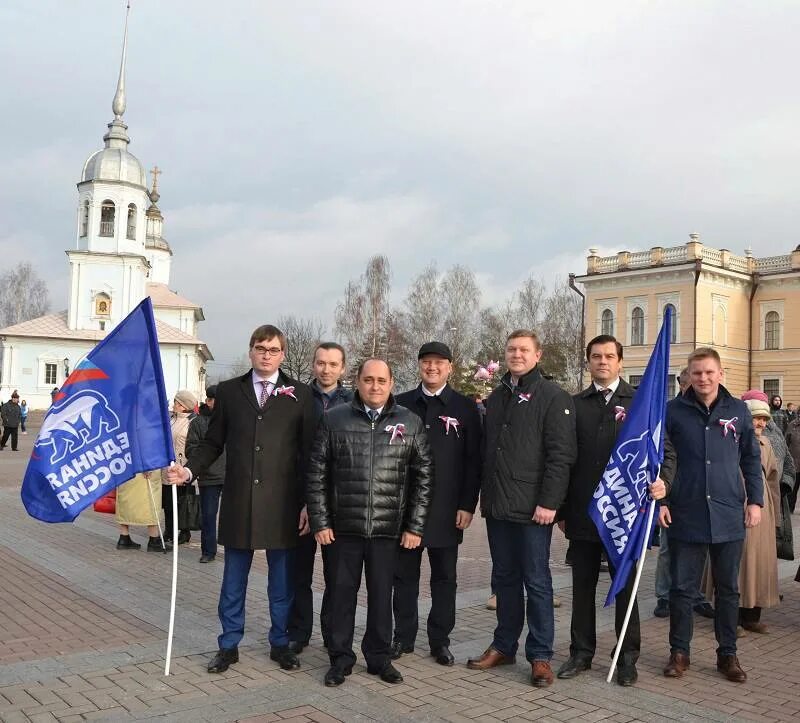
298, 138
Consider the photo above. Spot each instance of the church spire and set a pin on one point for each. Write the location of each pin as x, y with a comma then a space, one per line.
117, 136
118, 104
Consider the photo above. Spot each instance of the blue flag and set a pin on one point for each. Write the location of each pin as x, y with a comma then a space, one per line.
109, 421
619, 506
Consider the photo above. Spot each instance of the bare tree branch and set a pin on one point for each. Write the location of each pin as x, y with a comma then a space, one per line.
23, 295
302, 337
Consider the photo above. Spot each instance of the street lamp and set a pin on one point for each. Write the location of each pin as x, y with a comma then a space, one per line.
66, 367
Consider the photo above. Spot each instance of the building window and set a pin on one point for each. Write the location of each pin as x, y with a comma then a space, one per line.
772, 330
674, 329
102, 326
637, 326
131, 222
719, 332
607, 322
102, 305
50, 373
772, 387
107, 213
635, 380
84, 219
672, 387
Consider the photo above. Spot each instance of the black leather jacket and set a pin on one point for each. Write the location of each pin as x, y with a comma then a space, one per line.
365, 479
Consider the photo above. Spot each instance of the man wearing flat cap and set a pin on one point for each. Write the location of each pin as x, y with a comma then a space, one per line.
453, 427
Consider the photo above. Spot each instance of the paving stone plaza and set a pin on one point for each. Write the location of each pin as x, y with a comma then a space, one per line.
83, 631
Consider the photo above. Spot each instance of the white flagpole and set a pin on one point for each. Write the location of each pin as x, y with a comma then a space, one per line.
632, 601
174, 575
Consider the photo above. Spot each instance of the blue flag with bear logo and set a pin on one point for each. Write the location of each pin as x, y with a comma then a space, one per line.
619, 506
108, 422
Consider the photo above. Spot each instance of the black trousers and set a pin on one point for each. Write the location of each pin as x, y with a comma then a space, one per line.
301, 619
442, 617
348, 556
9, 432
586, 558
166, 503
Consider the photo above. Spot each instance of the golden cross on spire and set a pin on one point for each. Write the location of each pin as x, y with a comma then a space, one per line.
155, 171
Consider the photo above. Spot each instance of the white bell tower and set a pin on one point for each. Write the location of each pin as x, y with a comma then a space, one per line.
109, 266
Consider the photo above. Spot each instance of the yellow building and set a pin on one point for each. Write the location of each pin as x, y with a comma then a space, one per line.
740, 305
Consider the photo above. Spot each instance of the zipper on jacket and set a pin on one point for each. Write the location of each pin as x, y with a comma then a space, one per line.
371, 472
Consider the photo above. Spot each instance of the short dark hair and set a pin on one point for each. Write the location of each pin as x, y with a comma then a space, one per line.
268, 331
374, 358
603, 339
330, 345
525, 333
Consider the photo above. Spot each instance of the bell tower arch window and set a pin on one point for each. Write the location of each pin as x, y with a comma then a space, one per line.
131, 232
84, 229
107, 215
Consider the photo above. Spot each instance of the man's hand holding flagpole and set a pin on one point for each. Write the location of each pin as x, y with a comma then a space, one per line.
624, 504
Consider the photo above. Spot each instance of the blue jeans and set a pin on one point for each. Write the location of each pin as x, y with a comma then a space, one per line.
687, 560
521, 555
209, 506
280, 592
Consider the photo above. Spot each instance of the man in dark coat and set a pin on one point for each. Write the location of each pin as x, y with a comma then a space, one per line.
529, 447
329, 365
369, 483
265, 423
11, 416
600, 413
210, 484
708, 507
453, 426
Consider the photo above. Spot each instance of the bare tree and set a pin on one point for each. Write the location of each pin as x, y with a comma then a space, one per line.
23, 295
562, 352
461, 298
530, 299
302, 337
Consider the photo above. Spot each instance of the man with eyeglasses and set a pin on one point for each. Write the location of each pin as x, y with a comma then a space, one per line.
264, 420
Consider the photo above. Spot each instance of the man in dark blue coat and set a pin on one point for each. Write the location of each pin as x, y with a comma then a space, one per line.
328, 366
453, 426
709, 507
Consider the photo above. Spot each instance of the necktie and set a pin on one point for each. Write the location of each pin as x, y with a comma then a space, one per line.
373, 415
266, 390
607, 394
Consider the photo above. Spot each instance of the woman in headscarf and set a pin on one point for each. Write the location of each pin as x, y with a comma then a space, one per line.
183, 407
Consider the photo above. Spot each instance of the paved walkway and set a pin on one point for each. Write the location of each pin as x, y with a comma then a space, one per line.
83, 631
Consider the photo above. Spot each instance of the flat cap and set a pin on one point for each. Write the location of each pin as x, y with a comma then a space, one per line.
435, 347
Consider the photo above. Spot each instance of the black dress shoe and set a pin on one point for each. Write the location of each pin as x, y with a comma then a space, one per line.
442, 655
184, 536
705, 610
388, 674
125, 543
224, 658
336, 675
626, 674
572, 667
285, 658
207, 558
154, 545
399, 648
297, 647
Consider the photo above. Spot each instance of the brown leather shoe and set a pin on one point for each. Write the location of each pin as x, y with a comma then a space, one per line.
678, 663
729, 666
541, 673
760, 628
490, 658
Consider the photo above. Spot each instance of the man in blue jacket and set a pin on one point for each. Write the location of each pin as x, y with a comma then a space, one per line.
709, 507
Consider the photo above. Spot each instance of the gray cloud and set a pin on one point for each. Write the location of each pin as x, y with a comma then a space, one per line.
509, 136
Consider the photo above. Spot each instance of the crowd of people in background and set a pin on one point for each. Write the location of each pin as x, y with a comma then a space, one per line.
375, 480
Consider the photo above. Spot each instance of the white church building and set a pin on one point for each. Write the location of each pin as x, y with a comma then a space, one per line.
120, 257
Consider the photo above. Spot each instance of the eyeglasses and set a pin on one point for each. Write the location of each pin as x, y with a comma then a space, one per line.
267, 351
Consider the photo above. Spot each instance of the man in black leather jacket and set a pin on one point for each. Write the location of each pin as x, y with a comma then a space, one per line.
369, 483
